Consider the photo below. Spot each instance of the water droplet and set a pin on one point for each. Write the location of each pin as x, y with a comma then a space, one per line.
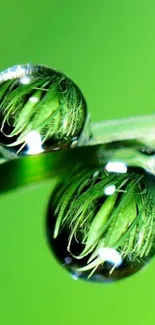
104, 225
37, 102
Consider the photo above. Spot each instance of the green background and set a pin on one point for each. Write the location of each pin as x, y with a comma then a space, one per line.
108, 49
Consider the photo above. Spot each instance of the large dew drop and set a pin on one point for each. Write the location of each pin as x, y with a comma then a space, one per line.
40, 109
101, 222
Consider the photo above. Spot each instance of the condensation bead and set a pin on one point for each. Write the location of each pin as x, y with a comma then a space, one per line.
101, 222
40, 109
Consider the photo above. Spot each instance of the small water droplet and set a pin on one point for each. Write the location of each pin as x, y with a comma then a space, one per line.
35, 98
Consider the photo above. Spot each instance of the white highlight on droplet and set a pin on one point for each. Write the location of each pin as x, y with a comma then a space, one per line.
116, 166
110, 255
15, 72
33, 99
109, 190
25, 80
33, 140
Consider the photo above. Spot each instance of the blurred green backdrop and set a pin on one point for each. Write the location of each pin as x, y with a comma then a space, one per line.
108, 48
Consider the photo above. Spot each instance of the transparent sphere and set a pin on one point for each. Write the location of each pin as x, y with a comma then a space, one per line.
101, 222
40, 109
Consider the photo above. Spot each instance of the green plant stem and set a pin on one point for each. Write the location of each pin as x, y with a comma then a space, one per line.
139, 128
17, 172
89, 152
